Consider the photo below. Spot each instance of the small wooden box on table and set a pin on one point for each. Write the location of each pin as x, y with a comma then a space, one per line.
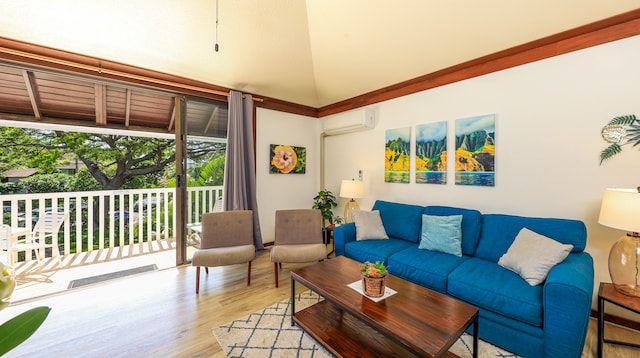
608, 293
414, 322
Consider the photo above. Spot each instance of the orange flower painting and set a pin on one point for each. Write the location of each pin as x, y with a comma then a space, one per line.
286, 159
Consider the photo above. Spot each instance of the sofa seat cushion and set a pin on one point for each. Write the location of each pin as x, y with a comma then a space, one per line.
402, 221
424, 267
375, 250
486, 285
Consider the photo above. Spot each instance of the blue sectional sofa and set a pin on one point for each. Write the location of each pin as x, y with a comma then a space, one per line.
546, 320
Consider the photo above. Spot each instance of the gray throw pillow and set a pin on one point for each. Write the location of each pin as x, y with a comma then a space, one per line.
369, 225
532, 256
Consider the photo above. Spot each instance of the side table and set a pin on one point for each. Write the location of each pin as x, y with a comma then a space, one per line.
327, 233
609, 294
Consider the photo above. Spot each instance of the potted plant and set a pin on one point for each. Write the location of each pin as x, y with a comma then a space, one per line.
325, 201
374, 278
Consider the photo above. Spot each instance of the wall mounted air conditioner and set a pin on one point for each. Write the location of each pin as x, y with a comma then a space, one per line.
351, 121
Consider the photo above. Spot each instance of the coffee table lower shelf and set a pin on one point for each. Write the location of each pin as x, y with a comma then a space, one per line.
346, 336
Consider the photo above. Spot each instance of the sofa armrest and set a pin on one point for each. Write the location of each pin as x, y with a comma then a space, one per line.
342, 235
568, 293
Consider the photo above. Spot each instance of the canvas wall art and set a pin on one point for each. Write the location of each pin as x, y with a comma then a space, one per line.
287, 159
431, 153
475, 150
397, 155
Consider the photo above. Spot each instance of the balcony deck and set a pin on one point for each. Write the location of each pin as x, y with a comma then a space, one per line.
95, 239
38, 280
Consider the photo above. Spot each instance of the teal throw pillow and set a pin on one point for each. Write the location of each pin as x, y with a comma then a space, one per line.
442, 234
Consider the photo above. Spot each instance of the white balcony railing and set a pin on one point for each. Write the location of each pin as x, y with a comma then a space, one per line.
107, 219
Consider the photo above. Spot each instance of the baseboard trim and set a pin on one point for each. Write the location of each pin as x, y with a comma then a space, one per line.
620, 321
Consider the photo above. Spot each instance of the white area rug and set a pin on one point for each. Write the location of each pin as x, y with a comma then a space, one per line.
268, 333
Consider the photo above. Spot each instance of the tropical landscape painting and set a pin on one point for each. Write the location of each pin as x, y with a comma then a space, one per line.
431, 153
397, 155
475, 150
287, 159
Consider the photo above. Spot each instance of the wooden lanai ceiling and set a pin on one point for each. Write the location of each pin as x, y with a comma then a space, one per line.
47, 97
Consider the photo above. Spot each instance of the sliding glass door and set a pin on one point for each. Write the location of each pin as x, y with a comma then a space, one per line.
202, 166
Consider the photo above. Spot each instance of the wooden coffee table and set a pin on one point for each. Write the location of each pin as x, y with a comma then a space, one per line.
414, 322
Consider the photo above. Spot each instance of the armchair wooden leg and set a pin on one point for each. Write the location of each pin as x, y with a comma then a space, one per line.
275, 270
249, 274
197, 279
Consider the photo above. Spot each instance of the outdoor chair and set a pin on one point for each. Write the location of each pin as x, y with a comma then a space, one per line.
44, 235
298, 238
226, 239
193, 236
5, 242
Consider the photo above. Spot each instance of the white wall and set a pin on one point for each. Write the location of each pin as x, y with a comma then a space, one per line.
284, 191
549, 117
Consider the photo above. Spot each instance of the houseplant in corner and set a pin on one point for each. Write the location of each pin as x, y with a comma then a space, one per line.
325, 201
374, 278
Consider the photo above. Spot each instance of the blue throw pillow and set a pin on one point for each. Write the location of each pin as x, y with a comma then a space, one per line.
442, 234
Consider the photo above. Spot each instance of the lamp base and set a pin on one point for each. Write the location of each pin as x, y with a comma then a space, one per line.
624, 265
348, 210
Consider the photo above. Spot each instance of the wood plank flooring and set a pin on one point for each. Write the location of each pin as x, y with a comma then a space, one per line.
158, 314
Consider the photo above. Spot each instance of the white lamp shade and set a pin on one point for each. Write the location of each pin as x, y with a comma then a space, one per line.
353, 189
620, 209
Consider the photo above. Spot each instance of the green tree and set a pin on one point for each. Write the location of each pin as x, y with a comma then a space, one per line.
113, 161
44, 183
83, 181
9, 188
204, 170
211, 173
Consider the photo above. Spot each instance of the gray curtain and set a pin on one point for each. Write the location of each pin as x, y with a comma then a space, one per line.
239, 171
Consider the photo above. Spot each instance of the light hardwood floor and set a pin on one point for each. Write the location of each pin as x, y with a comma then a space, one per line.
158, 314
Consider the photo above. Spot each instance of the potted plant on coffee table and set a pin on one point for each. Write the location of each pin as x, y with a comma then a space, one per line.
374, 278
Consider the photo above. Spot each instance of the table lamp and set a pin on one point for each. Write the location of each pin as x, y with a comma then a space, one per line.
621, 210
353, 189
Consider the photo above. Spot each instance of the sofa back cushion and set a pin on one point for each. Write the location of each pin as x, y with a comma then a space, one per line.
471, 224
499, 231
401, 221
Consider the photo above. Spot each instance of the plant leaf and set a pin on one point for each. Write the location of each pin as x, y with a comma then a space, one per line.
19, 328
634, 139
623, 120
609, 152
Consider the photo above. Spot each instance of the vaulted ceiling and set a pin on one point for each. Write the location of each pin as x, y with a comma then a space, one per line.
313, 52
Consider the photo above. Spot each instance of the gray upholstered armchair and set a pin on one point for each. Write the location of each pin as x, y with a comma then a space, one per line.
298, 238
227, 239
